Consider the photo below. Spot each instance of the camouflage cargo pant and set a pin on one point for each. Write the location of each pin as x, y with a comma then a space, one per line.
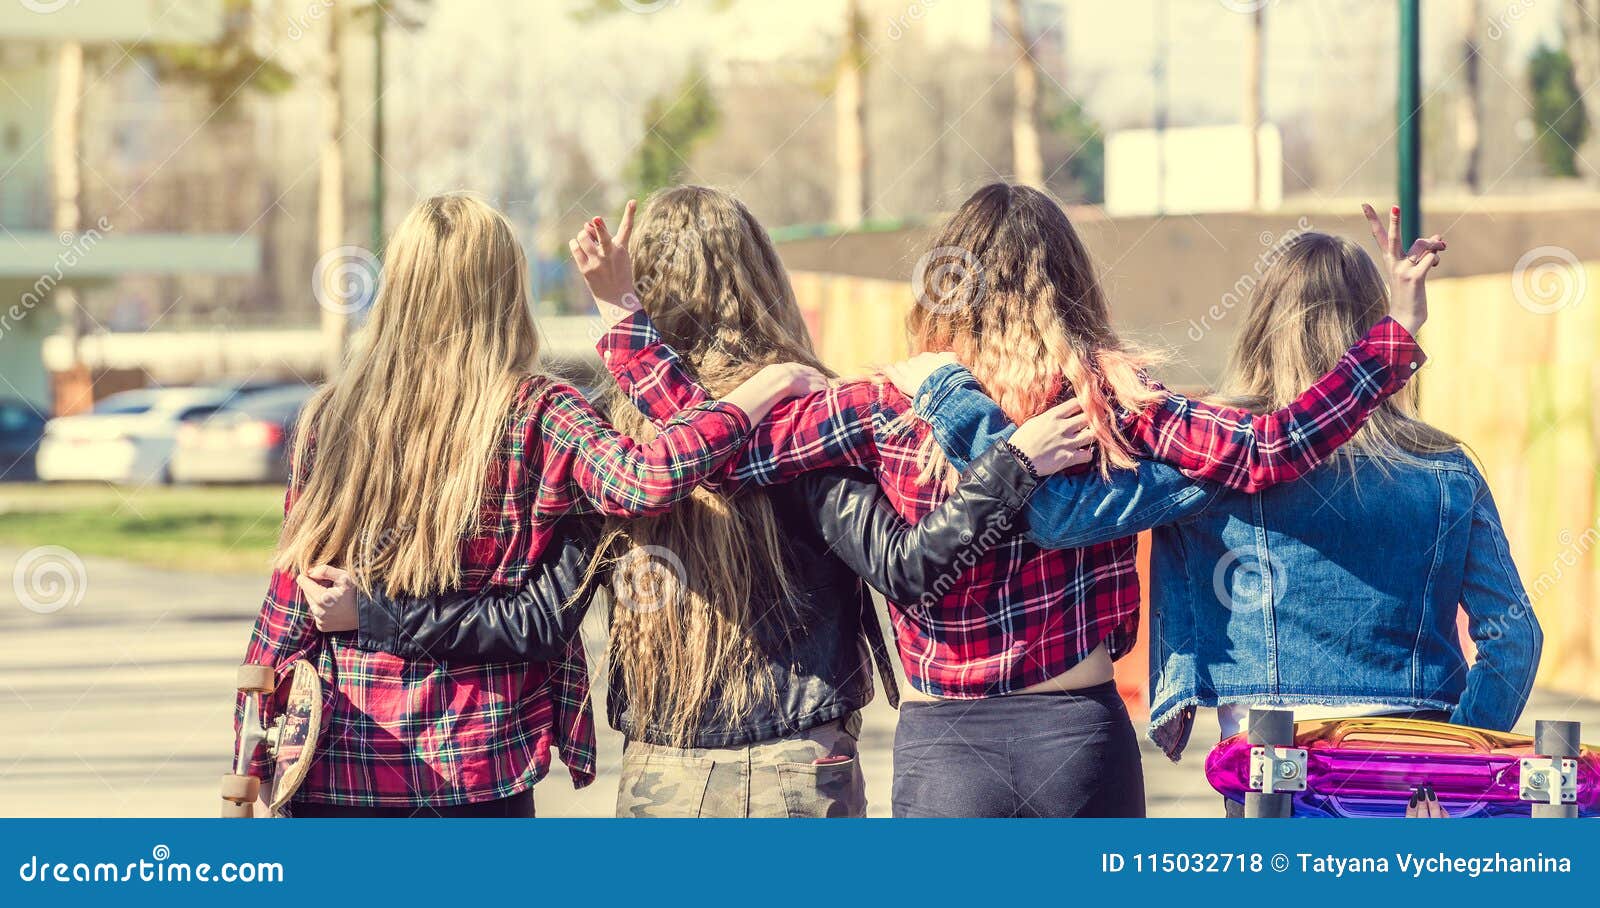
778, 778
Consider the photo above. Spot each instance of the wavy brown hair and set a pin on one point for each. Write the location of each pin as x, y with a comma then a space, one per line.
1318, 297
1011, 290
404, 433
692, 647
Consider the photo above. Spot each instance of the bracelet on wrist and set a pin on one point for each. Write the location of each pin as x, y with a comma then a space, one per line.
1027, 462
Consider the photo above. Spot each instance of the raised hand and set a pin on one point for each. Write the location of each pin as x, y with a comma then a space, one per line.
909, 374
606, 266
1408, 273
1056, 439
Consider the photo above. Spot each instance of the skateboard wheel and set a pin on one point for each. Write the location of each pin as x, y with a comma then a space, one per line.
233, 810
257, 678
240, 788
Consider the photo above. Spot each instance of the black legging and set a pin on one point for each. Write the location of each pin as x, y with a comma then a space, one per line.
518, 806
1067, 754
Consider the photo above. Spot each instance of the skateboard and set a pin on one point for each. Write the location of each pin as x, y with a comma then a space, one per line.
1369, 768
291, 738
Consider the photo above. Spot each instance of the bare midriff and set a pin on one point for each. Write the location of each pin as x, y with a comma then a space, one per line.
1094, 669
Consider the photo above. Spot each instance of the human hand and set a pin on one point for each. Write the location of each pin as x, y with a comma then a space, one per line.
762, 391
1056, 439
606, 265
1408, 274
331, 595
1425, 804
909, 374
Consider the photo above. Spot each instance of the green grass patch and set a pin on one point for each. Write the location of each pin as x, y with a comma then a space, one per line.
198, 528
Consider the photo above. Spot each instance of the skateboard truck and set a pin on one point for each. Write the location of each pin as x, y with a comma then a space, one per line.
290, 738
1274, 769
1548, 780
1277, 767
239, 788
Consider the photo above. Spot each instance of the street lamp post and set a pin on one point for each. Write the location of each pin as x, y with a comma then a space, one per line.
1410, 115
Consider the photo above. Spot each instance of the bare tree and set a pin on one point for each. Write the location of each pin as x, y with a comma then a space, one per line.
1469, 104
330, 192
1254, 49
1027, 162
850, 106
1581, 29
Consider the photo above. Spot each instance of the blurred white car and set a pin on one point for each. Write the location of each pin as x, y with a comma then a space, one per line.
128, 438
248, 440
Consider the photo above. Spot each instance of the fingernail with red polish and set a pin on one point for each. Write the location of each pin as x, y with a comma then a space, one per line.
1395, 210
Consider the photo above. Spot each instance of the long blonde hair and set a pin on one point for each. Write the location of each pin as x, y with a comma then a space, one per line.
1010, 289
696, 650
1318, 297
403, 436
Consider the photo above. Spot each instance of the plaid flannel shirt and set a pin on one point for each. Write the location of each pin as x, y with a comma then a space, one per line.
1022, 615
406, 732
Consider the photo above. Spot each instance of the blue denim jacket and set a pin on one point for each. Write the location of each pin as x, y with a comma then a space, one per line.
1339, 588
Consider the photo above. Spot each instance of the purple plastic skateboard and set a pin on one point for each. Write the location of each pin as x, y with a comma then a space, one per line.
1370, 767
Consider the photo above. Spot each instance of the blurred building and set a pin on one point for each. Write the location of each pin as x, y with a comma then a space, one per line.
1192, 170
114, 239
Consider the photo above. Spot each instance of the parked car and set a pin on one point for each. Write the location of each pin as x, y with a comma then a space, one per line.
249, 440
128, 437
21, 427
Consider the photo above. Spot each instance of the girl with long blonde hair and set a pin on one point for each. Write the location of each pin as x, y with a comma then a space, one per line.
1025, 636
742, 638
441, 458
1336, 595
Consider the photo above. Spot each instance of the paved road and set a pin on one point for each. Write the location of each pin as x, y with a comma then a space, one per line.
120, 704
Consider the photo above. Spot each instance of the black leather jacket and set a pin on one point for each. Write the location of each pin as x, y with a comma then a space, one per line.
841, 531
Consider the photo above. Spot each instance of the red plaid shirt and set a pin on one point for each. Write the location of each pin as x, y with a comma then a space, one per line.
1022, 615
405, 732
